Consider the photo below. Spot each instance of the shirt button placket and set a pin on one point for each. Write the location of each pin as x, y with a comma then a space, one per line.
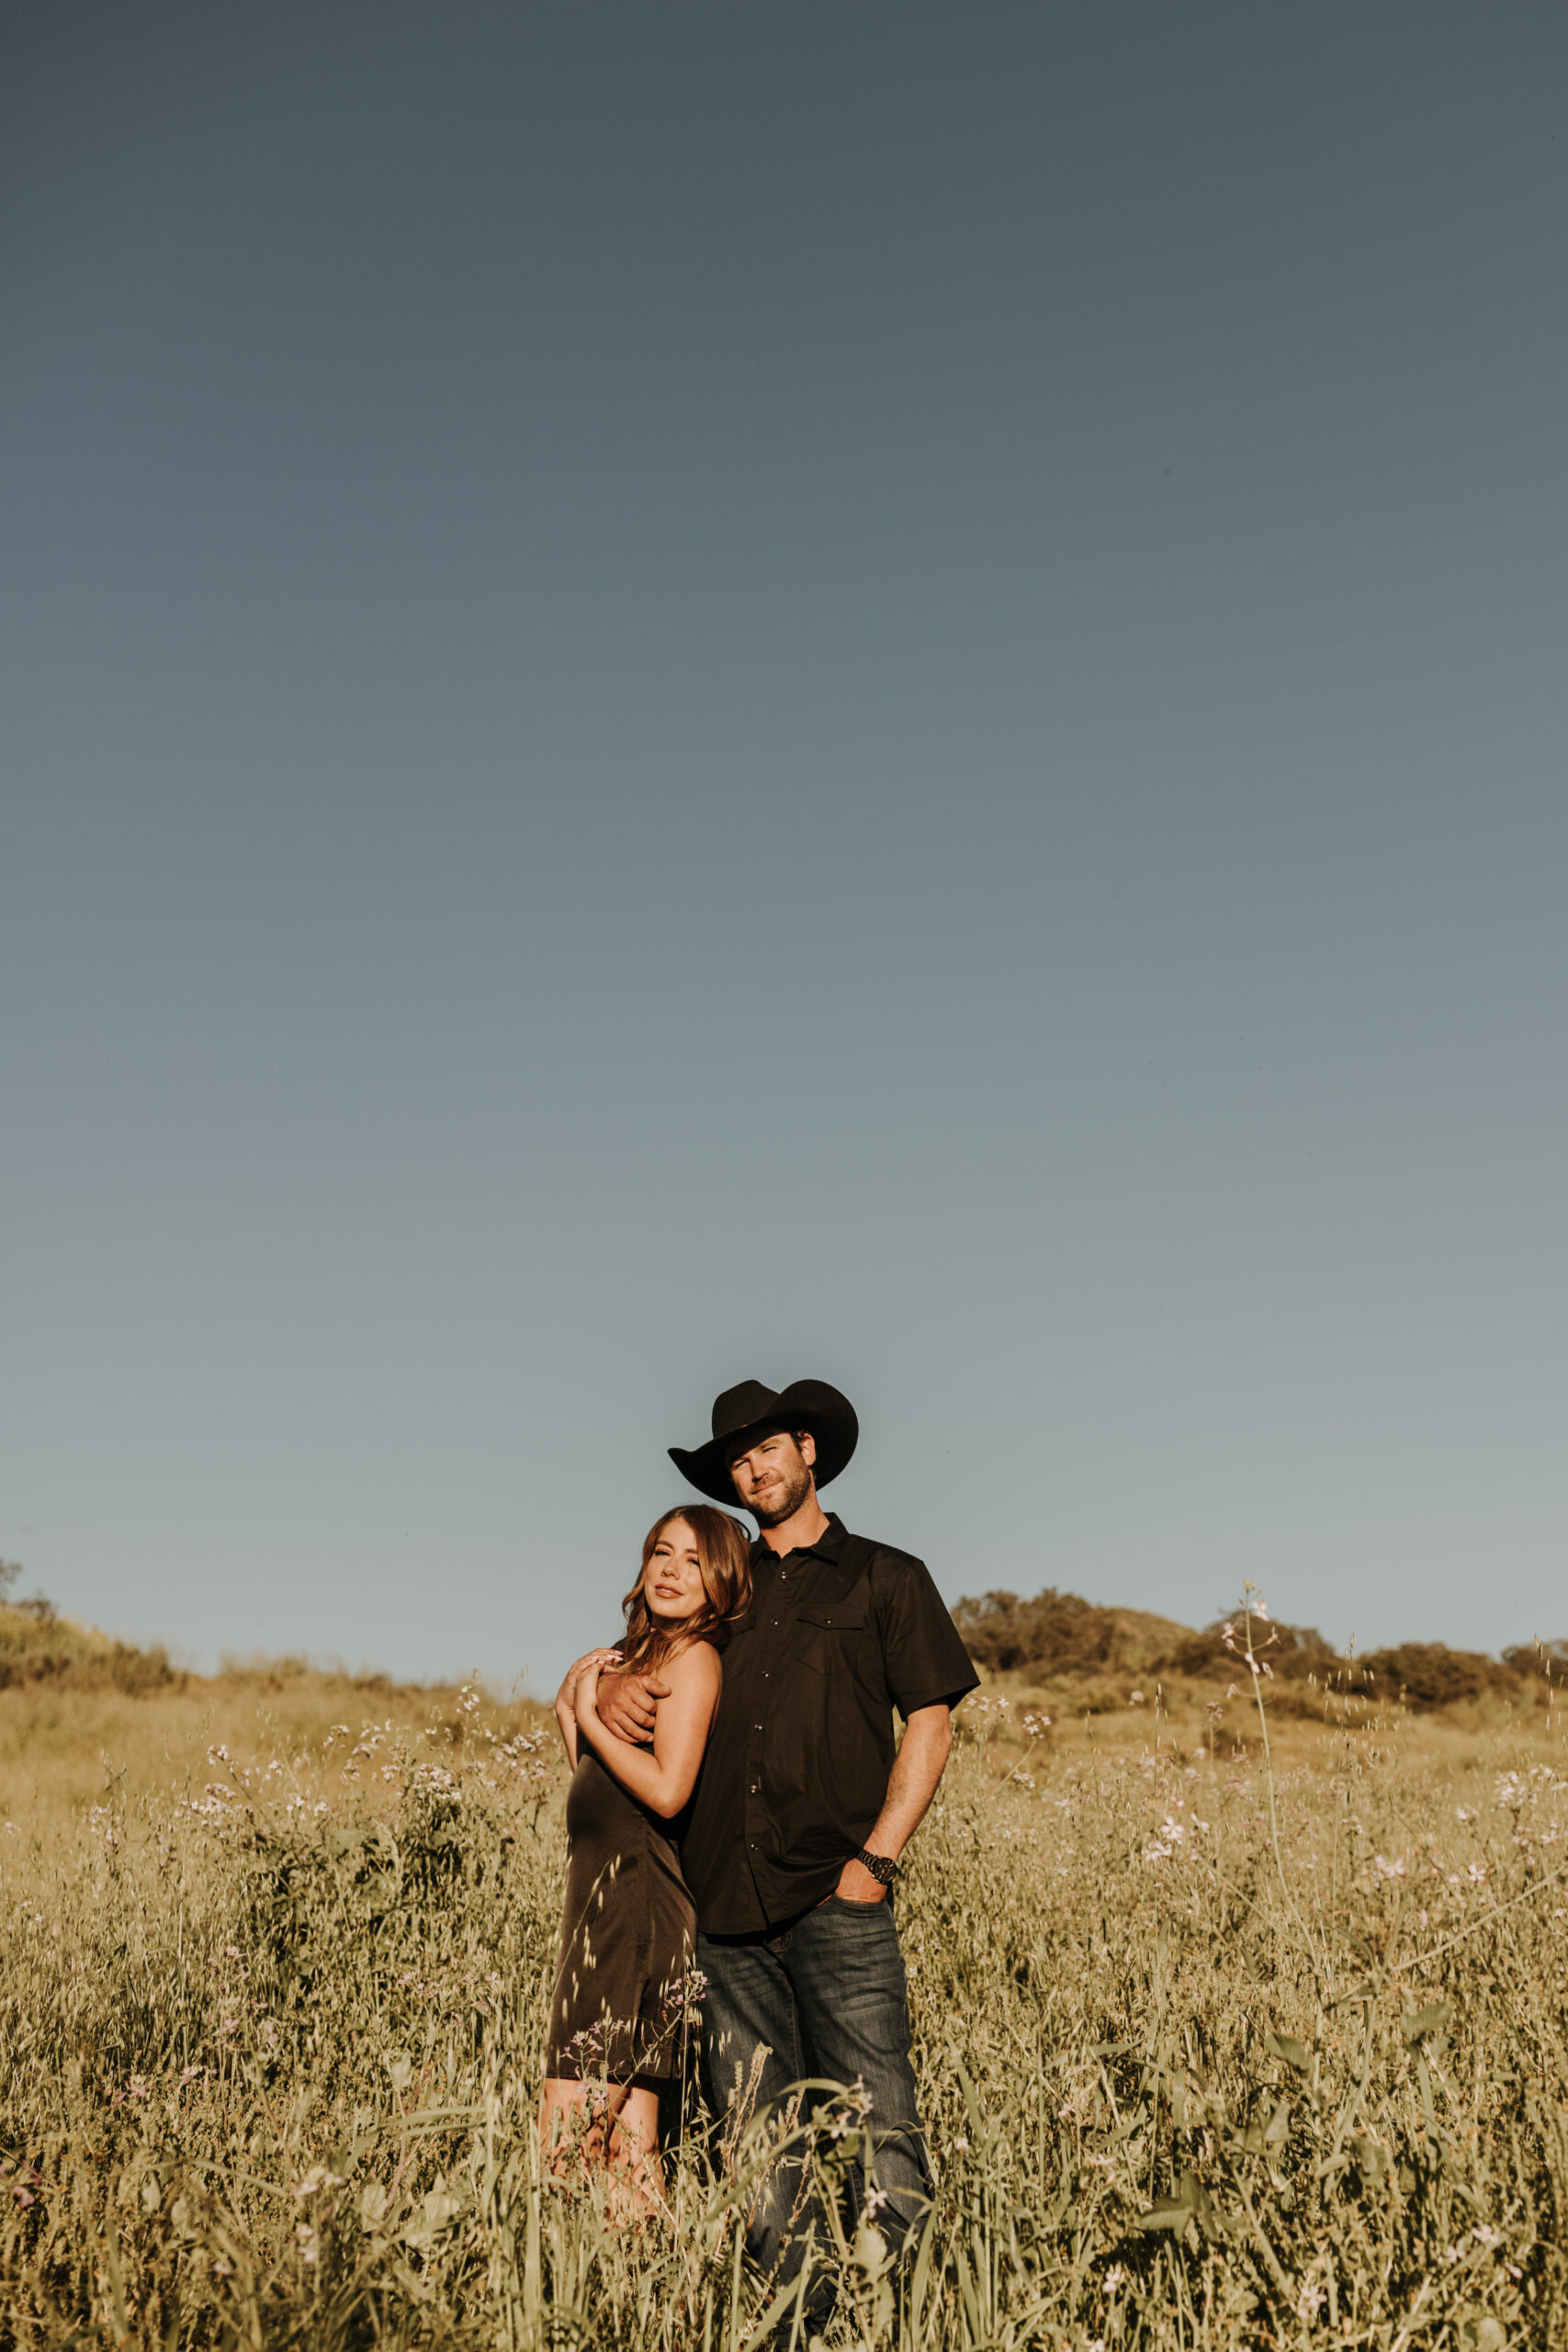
753, 1788
754, 1812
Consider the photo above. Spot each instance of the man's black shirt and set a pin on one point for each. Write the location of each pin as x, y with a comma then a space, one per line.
838, 1635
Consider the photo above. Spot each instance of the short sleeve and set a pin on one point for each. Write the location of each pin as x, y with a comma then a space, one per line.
924, 1659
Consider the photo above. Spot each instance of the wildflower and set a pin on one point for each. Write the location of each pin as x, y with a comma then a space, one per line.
1486, 2235
1115, 2278
853, 2112
318, 2177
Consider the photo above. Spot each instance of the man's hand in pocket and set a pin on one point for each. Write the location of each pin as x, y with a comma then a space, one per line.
857, 1885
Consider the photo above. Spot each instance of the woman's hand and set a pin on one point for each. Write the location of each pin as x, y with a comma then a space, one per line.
567, 1695
586, 1697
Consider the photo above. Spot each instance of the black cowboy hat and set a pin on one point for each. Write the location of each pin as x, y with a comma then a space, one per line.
751, 1411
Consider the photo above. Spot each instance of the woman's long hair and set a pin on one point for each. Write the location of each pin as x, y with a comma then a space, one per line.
724, 1555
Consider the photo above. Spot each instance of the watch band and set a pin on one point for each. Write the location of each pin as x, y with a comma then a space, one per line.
882, 1867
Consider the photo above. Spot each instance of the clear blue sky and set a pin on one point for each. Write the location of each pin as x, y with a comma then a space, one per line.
690, 692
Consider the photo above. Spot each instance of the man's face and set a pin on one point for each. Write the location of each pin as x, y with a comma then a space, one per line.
772, 1478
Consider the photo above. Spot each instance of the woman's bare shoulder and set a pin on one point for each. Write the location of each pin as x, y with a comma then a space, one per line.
696, 1668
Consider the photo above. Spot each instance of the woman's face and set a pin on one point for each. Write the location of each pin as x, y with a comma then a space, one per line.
673, 1580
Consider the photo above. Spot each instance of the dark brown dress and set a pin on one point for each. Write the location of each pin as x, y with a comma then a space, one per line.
627, 1942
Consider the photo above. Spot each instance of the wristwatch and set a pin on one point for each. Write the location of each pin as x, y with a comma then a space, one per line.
882, 1867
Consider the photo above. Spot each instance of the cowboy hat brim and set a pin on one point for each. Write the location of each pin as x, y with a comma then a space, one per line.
804, 1405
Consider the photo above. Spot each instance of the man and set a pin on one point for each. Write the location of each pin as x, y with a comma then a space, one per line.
803, 1809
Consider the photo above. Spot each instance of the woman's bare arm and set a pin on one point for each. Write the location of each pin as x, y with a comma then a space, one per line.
662, 1777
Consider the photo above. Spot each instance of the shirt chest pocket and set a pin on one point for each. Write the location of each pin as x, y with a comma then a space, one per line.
735, 1648
833, 1633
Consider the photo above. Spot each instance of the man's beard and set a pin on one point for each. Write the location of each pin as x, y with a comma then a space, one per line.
783, 1501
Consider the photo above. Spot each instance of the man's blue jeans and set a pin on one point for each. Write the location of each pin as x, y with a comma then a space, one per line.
826, 1996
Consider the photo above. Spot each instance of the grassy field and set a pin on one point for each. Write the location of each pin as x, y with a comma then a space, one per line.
1217, 2048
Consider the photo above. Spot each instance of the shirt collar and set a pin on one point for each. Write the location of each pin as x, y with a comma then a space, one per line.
828, 1546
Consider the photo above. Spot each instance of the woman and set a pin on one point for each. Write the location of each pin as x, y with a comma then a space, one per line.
628, 1932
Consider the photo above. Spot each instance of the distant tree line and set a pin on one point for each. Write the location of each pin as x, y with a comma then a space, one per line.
1058, 1636
37, 1645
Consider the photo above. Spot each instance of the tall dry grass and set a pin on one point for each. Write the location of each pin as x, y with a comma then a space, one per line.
1196, 2071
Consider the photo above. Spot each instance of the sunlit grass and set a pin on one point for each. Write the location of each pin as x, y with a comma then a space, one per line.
271, 2018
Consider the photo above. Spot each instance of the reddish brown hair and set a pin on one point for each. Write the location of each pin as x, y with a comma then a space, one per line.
723, 1557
